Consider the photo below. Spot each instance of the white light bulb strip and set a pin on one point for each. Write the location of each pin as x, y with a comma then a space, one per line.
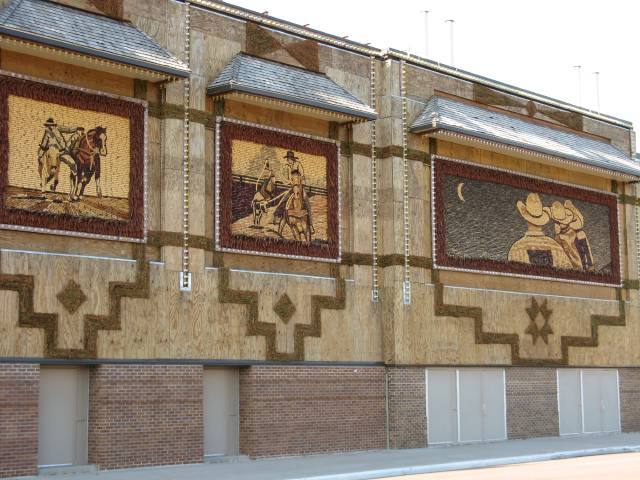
185, 277
375, 293
406, 284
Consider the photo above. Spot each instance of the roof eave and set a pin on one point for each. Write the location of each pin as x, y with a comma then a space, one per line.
231, 87
51, 42
499, 142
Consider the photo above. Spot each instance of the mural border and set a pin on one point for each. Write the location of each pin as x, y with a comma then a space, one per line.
571, 277
137, 226
223, 240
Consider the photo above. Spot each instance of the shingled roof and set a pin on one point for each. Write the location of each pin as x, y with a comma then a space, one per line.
442, 113
91, 34
270, 79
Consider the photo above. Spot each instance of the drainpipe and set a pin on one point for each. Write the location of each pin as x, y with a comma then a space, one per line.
386, 407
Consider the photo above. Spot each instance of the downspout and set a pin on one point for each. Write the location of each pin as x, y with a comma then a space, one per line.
386, 407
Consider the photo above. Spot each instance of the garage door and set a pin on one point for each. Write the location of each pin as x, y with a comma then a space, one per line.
63, 413
221, 394
588, 401
465, 405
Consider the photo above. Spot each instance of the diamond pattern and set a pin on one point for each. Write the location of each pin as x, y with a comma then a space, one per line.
284, 308
71, 297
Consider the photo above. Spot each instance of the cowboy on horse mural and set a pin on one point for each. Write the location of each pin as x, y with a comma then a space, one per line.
293, 208
293, 173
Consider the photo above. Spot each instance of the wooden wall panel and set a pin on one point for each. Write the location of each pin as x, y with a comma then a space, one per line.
230, 314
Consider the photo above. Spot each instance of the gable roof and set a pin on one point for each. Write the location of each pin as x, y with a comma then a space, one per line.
271, 79
443, 113
88, 33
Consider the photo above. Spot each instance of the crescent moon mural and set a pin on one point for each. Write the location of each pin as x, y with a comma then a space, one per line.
460, 185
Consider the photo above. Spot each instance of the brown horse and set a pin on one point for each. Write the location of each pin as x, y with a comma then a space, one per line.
261, 199
296, 216
86, 153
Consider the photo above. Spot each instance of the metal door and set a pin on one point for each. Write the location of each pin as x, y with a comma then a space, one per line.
569, 401
63, 413
493, 405
610, 400
221, 403
471, 404
442, 412
592, 401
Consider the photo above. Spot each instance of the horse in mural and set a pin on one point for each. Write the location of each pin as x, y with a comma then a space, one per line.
296, 216
87, 153
262, 198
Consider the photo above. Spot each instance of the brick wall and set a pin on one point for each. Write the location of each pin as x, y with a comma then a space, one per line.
145, 415
629, 399
407, 407
19, 387
291, 410
532, 402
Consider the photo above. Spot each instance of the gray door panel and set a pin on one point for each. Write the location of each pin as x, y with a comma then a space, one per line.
470, 401
442, 415
493, 406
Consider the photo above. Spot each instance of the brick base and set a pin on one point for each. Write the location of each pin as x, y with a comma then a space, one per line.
532, 402
629, 399
293, 410
407, 407
19, 390
145, 415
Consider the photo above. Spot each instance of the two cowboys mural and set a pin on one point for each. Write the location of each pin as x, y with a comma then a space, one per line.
569, 249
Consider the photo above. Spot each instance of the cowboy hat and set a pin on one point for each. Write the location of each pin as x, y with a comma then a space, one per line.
578, 218
533, 211
559, 213
291, 155
50, 123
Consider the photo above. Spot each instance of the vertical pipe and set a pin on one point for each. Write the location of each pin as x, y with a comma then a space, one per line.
386, 408
451, 59
579, 70
597, 75
426, 33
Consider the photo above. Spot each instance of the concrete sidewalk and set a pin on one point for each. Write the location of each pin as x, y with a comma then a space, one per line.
378, 464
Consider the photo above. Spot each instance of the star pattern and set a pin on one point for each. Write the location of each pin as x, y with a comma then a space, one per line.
532, 329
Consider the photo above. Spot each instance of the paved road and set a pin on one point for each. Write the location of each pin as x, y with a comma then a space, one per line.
623, 466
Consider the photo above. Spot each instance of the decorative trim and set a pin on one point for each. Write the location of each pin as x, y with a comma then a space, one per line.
513, 339
406, 283
553, 275
255, 327
133, 231
260, 42
175, 111
90, 59
185, 277
223, 238
375, 293
24, 286
511, 148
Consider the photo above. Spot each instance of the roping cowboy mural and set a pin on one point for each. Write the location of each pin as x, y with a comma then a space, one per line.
293, 209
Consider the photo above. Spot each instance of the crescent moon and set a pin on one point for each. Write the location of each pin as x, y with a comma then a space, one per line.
460, 185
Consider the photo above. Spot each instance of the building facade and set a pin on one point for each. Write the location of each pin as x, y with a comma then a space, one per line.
226, 234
